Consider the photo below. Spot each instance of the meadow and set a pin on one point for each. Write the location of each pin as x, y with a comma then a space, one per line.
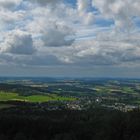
5, 96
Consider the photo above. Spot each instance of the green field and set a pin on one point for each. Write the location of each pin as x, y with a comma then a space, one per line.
34, 98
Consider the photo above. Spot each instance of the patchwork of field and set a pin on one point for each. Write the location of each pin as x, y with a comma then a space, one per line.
84, 93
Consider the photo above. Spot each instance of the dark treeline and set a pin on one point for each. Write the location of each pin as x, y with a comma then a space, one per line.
93, 124
23, 89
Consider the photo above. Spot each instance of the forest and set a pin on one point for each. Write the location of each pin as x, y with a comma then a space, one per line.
93, 124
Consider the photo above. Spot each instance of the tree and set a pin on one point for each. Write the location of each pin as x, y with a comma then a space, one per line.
3, 137
20, 136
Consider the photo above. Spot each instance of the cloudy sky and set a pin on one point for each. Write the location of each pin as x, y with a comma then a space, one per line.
98, 38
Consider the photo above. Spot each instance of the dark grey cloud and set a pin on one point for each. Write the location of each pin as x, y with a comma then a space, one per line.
9, 4
45, 2
58, 36
17, 42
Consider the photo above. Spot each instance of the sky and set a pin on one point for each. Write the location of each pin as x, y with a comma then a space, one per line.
81, 38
